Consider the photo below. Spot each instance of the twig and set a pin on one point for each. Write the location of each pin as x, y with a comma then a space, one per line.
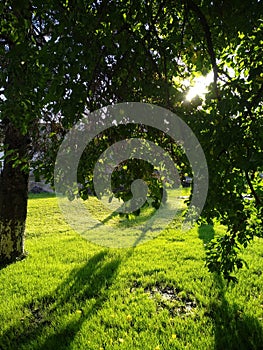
254, 193
192, 6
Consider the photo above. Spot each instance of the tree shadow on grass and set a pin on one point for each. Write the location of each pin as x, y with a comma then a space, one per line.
130, 233
75, 300
145, 230
234, 329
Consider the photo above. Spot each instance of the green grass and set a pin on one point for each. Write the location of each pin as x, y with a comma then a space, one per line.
98, 224
72, 294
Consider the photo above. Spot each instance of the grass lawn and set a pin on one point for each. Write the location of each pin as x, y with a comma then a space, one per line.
72, 294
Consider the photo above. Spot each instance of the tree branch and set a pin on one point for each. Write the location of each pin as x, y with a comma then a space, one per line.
192, 6
254, 193
6, 40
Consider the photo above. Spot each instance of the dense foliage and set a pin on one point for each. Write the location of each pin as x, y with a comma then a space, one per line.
61, 58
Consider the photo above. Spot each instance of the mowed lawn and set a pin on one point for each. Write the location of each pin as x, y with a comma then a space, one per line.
72, 294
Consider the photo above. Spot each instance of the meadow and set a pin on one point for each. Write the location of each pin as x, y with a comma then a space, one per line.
70, 293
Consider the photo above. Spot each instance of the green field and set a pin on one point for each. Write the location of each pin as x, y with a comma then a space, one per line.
72, 294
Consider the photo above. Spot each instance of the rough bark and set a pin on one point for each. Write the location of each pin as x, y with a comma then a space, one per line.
13, 195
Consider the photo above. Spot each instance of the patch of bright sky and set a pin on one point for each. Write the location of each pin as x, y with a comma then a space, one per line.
199, 86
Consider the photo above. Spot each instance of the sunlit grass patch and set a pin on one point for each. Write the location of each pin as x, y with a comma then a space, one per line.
100, 210
72, 294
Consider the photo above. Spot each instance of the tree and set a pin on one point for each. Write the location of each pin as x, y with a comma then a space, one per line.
56, 60
17, 111
59, 59
235, 151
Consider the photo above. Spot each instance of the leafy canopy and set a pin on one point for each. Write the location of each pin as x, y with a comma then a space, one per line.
61, 58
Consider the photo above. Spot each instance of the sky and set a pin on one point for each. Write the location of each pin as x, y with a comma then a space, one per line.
199, 86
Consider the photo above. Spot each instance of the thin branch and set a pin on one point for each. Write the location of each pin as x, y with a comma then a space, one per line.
254, 193
161, 6
256, 99
185, 18
6, 40
192, 6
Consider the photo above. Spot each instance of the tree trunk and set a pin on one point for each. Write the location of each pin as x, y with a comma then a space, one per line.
13, 195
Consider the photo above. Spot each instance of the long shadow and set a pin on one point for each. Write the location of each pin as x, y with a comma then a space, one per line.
91, 282
233, 329
145, 230
116, 214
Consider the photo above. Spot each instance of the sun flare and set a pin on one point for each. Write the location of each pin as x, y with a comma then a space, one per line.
199, 87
